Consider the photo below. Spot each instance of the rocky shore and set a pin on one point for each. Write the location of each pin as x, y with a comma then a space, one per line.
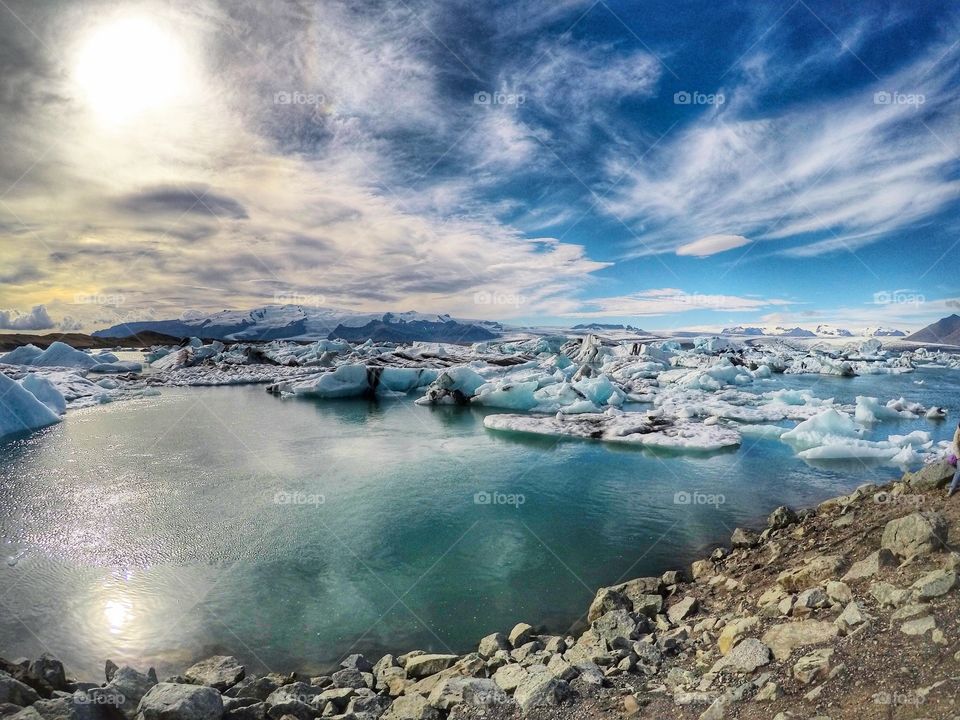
849, 610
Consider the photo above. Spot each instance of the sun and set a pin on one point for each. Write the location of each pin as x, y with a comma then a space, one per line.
128, 67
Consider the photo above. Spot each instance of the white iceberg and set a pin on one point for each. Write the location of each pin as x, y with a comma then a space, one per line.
20, 410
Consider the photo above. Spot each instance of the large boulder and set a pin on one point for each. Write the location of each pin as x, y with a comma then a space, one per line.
735, 631
423, 665
871, 565
125, 690
477, 692
781, 518
490, 644
746, 657
15, 692
175, 701
813, 571
540, 689
295, 699
615, 625
259, 688
51, 670
220, 672
930, 477
411, 707
918, 533
782, 639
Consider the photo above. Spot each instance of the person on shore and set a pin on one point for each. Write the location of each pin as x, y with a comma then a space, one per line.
955, 485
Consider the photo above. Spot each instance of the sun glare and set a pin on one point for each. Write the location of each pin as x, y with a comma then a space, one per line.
129, 67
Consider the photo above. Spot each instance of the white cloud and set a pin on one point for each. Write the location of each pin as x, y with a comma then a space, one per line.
853, 168
712, 244
668, 301
37, 319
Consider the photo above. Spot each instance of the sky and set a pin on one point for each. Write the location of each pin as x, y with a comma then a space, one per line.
661, 164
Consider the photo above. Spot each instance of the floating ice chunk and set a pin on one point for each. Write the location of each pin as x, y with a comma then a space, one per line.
819, 429
759, 430
936, 413
59, 354
906, 457
616, 426
599, 390
345, 381
120, 366
23, 355
917, 437
108, 384
454, 386
513, 396
46, 392
848, 451
869, 410
20, 410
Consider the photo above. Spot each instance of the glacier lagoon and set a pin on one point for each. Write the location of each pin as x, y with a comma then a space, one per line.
291, 532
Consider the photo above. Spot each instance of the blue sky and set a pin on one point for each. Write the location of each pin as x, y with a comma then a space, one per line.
661, 164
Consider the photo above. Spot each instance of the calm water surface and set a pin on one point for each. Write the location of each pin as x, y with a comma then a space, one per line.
289, 533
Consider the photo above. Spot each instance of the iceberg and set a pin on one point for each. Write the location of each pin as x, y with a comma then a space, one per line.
23, 355
59, 354
822, 429
46, 392
20, 410
614, 426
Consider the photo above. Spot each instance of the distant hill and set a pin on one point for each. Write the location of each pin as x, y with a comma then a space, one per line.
10, 341
601, 327
295, 322
945, 331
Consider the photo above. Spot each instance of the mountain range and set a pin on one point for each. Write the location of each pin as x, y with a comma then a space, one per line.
945, 331
295, 322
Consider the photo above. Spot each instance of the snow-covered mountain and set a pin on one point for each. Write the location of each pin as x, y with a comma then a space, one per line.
822, 331
296, 322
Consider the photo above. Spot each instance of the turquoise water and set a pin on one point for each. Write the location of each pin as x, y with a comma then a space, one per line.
290, 533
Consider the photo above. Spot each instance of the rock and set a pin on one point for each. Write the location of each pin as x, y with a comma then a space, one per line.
918, 626
916, 534
423, 665
782, 639
169, 701
910, 611
813, 572
607, 599
368, 707
648, 605
561, 669
15, 692
851, 618
357, 662
813, 666
781, 518
521, 634
839, 592
693, 698
770, 692
734, 632
124, 691
259, 688
220, 672
930, 477
509, 677
614, 625
743, 538
491, 643
889, 595
871, 565
293, 699
934, 584
810, 600
411, 707
718, 709
649, 657
748, 655
673, 639
671, 577
51, 670
254, 711
681, 610
701, 569
109, 668
540, 689
349, 678
477, 692
338, 697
